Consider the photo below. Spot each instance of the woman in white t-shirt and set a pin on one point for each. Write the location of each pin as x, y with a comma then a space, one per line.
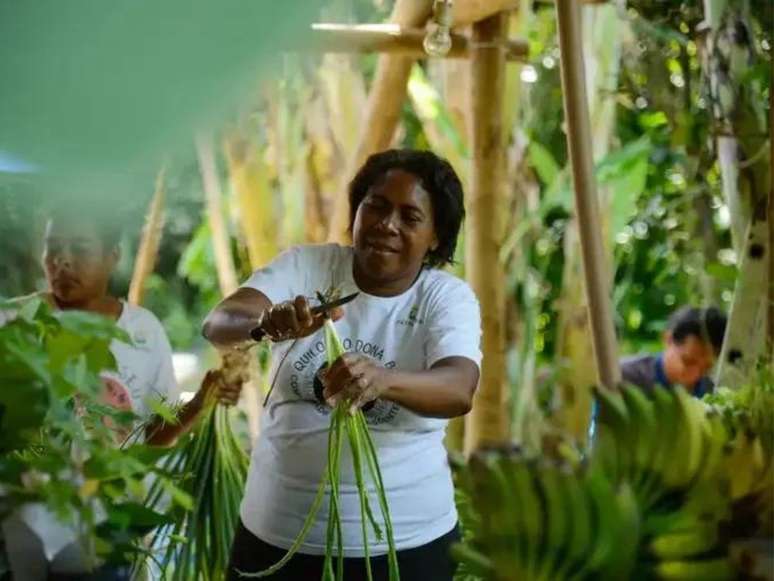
79, 256
413, 342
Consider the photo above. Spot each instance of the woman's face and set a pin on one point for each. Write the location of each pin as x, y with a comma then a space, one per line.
394, 229
77, 265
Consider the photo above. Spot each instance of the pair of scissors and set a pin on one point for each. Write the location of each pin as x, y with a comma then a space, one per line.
258, 334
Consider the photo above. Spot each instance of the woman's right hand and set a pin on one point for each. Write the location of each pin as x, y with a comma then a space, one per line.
294, 319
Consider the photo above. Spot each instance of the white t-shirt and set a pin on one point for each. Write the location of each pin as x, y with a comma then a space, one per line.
437, 317
144, 371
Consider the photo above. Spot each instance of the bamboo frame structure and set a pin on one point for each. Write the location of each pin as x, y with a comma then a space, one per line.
586, 201
389, 88
392, 39
487, 422
148, 250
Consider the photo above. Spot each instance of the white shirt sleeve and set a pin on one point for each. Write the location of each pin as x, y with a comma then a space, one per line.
454, 328
282, 278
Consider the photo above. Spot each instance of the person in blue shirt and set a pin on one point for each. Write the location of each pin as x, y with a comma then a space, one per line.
692, 341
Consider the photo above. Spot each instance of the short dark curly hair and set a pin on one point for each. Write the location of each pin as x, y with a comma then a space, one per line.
438, 179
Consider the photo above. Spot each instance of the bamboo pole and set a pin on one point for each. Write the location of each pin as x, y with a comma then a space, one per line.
586, 201
574, 345
390, 38
488, 422
148, 251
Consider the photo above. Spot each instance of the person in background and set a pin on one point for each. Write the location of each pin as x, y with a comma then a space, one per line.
80, 252
692, 341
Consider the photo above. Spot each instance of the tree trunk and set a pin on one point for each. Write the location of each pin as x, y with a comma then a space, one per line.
488, 421
729, 53
738, 205
706, 247
148, 251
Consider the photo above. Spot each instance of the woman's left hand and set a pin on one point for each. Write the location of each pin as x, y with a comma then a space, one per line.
224, 387
355, 378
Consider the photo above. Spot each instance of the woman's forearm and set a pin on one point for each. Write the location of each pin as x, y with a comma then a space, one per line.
231, 321
444, 391
162, 433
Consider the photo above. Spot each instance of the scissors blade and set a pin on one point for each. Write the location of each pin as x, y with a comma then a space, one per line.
333, 304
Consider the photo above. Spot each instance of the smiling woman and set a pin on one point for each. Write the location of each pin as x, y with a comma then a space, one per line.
412, 342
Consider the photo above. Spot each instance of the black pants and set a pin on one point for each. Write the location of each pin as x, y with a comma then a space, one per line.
430, 562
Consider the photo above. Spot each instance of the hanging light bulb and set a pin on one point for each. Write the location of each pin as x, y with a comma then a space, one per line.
438, 40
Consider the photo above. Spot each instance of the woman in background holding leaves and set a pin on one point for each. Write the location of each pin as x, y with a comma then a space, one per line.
80, 254
412, 340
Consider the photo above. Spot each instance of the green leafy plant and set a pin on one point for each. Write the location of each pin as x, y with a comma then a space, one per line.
58, 440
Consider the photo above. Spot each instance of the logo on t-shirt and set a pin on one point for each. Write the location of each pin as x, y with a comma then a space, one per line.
305, 385
413, 319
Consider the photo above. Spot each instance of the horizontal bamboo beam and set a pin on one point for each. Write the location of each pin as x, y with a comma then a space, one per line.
390, 38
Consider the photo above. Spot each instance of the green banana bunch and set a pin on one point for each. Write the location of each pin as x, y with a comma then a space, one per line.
543, 521
661, 445
719, 569
673, 450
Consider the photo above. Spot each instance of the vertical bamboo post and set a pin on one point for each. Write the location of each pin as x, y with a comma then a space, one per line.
487, 422
224, 263
148, 251
586, 201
